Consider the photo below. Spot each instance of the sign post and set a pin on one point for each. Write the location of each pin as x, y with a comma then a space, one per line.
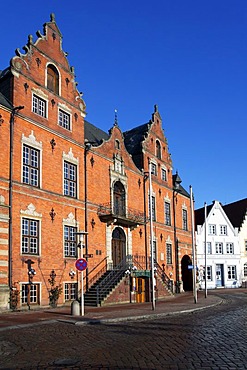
81, 265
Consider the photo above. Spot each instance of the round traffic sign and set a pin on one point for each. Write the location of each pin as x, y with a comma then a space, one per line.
81, 264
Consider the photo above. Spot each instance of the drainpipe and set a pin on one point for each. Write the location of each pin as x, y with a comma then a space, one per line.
11, 139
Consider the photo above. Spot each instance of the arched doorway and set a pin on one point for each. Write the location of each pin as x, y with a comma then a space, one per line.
118, 246
119, 199
187, 273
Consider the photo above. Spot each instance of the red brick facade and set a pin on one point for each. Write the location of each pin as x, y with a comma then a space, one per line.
62, 181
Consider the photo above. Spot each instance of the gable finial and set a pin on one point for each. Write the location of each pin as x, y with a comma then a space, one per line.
155, 108
52, 17
116, 118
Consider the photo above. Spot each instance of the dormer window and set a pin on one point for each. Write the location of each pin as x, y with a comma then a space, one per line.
52, 79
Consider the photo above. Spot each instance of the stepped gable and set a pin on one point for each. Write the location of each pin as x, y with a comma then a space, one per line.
236, 212
28, 67
93, 134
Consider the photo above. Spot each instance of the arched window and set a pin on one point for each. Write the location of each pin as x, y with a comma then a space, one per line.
158, 149
119, 199
52, 79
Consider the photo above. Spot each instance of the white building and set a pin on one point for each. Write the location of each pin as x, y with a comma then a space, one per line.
222, 258
237, 214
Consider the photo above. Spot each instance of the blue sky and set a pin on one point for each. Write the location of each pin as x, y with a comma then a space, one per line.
188, 57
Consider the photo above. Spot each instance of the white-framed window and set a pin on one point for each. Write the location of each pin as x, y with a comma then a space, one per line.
212, 229
209, 248
70, 179
168, 253
30, 293
209, 273
245, 270
245, 246
64, 119
30, 236
70, 245
154, 250
153, 168
167, 214
231, 272
163, 174
185, 219
39, 106
31, 166
218, 248
153, 207
223, 229
70, 291
229, 248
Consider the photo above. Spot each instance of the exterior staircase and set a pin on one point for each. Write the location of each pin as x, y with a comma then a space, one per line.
97, 293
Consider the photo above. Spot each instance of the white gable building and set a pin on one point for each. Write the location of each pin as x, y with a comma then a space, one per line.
222, 257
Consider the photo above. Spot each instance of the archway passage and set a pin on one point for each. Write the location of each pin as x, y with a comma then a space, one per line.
118, 246
187, 273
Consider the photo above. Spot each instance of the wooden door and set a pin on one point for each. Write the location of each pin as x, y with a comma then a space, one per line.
118, 246
140, 290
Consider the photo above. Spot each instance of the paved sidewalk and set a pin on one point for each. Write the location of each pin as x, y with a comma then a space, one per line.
180, 303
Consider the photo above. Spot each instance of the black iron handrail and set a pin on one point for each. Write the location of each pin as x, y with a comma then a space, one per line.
99, 273
111, 280
118, 211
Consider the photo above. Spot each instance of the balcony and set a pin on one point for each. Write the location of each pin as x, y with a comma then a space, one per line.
127, 217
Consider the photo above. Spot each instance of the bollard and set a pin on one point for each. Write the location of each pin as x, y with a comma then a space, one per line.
75, 308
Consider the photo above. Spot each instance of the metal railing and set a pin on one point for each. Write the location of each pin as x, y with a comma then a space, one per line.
96, 273
118, 211
111, 280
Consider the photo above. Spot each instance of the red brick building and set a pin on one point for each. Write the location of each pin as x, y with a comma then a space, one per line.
60, 175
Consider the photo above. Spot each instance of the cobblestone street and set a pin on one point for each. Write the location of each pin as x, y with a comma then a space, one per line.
214, 338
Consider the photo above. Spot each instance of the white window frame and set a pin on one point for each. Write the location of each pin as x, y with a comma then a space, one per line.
245, 270
70, 291
31, 214
65, 111
35, 290
229, 248
231, 272
31, 142
72, 251
219, 248
38, 95
163, 174
167, 214
74, 161
185, 219
154, 168
168, 253
223, 229
209, 273
209, 248
212, 229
